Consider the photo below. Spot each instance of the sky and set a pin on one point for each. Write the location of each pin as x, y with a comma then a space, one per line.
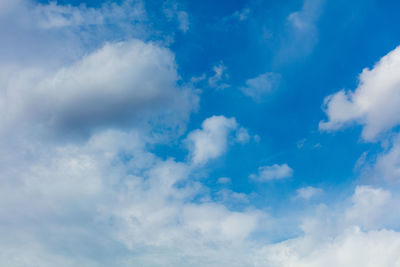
199, 133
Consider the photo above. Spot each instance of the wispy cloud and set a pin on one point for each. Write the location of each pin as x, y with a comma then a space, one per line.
273, 172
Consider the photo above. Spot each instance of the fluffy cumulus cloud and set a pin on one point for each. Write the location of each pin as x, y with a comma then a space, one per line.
108, 197
375, 103
367, 233
211, 141
368, 205
273, 172
115, 85
260, 86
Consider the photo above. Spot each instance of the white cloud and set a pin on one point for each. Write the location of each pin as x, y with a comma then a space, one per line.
113, 86
217, 80
258, 87
218, 224
224, 180
56, 16
53, 81
353, 235
50, 36
308, 192
304, 19
110, 196
53, 15
8, 6
105, 200
111, 192
197, 79
242, 14
242, 135
368, 207
375, 103
352, 248
231, 197
211, 140
300, 143
173, 11
387, 165
273, 172
183, 19
302, 31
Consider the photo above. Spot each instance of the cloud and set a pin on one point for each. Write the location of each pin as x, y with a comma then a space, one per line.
211, 140
55, 16
353, 248
7, 7
387, 165
360, 239
197, 79
273, 172
224, 180
300, 144
53, 76
301, 31
107, 200
110, 196
58, 16
304, 19
183, 19
368, 206
242, 135
242, 14
230, 197
173, 11
258, 87
308, 192
374, 104
113, 86
76, 27
216, 81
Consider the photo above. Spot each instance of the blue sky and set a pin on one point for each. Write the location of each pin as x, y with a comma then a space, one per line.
204, 133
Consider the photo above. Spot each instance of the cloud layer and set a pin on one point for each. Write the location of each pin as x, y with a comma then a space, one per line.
87, 102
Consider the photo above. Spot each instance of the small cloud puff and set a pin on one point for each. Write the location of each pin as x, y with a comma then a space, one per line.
273, 172
242, 14
211, 141
224, 180
217, 80
308, 192
257, 88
